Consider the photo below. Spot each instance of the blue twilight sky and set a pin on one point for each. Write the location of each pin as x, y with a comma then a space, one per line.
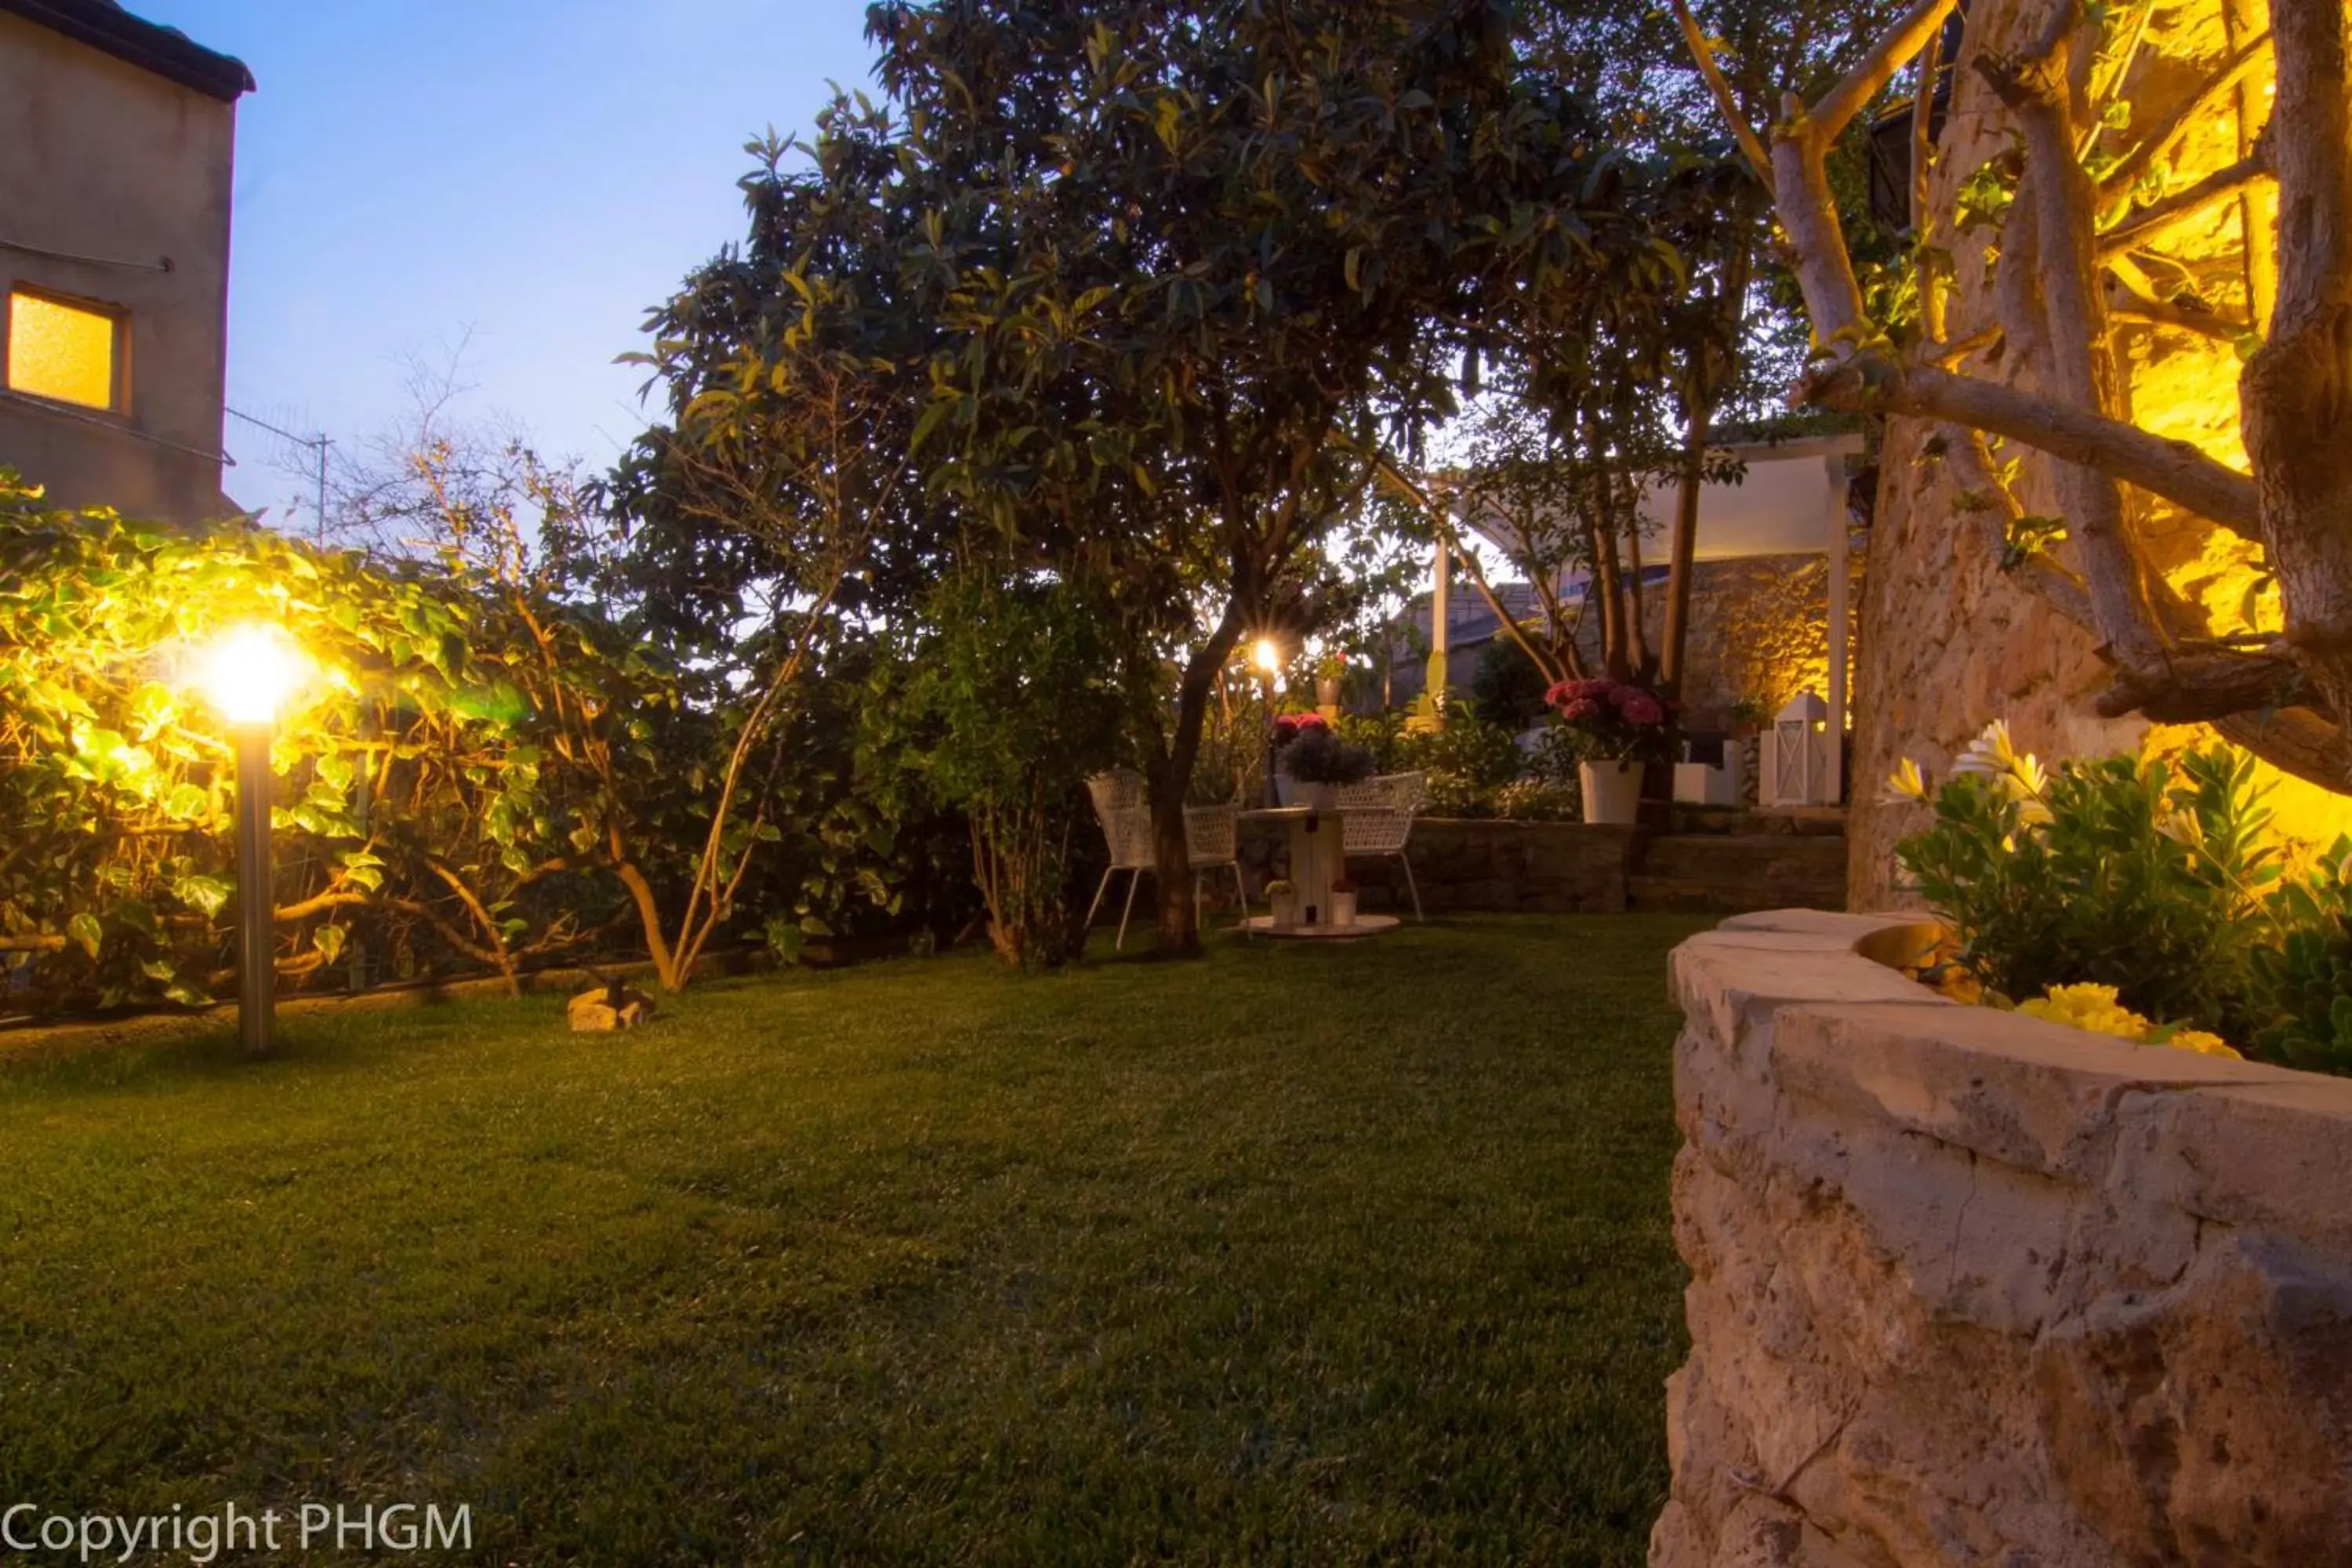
519, 177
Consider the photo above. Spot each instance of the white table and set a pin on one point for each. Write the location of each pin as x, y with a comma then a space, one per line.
1317, 858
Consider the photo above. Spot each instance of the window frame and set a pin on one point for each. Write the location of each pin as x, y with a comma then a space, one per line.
117, 316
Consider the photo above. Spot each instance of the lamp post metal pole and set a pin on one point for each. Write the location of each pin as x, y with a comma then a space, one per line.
1273, 790
256, 937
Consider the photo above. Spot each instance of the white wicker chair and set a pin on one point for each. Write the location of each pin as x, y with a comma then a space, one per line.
1211, 841
1212, 835
1377, 819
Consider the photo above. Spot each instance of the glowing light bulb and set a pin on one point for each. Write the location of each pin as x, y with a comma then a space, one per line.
1267, 656
250, 670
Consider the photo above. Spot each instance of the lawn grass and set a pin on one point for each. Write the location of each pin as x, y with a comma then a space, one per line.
1291, 1254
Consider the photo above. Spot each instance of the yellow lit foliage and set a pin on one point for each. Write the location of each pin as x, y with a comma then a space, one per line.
2094, 1008
60, 351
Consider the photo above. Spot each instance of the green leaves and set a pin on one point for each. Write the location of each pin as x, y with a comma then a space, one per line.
2163, 879
205, 894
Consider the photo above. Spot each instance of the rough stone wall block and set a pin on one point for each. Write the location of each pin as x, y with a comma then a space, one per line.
1971, 1289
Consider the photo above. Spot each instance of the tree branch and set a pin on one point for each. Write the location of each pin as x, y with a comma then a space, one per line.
1871, 74
2224, 81
1703, 54
2138, 229
2176, 471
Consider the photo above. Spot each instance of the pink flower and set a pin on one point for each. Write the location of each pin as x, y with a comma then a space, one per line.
1568, 692
1579, 708
1643, 709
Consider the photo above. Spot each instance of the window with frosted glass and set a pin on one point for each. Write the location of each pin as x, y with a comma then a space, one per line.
62, 351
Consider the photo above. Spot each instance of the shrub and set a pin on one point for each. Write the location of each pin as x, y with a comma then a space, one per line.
1540, 800
1001, 705
2152, 882
1451, 795
114, 793
1556, 755
1506, 686
482, 758
2303, 982
2119, 872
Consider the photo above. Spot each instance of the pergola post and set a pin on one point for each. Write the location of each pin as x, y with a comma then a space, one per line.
1438, 679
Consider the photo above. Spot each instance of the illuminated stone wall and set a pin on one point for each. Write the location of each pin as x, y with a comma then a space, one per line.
1969, 1289
1759, 628
1948, 642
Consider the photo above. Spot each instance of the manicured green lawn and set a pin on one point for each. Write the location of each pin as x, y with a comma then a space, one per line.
1291, 1254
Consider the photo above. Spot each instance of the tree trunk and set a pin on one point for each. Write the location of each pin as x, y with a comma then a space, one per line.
1179, 930
1604, 583
1699, 418
2296, 392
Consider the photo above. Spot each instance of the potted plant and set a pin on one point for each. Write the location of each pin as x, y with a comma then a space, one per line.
1286, 729
1284, 899
1329, 671
1750, 715
1620, 726
1315, 764
1343, 901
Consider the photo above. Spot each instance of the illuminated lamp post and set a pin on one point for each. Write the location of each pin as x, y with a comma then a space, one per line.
246, 674
1267, 656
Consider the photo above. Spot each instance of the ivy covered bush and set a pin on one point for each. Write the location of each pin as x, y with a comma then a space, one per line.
487, 769
2141, 889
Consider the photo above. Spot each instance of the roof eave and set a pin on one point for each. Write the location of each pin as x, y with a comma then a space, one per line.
136, 41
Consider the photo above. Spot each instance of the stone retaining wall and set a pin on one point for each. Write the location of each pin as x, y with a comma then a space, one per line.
1971, 1289
1568, 868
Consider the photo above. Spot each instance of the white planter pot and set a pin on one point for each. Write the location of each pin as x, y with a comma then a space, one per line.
1343, 910
1286, 911
1612, 792
1313, 796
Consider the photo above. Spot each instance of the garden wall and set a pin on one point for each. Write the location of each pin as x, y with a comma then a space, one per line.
1568, 868
1968, 1288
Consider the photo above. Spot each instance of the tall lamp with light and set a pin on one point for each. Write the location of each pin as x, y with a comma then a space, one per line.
248, 674
1267, 656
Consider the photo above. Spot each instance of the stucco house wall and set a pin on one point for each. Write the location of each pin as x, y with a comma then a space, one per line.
115, 189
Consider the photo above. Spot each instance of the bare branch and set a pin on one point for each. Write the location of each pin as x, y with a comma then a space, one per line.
1871, 74
2163, 313
32, 944
1703, 53
2109, 81
2160, 140
2175, 470
1808, 212
2197, 685
2138, 228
